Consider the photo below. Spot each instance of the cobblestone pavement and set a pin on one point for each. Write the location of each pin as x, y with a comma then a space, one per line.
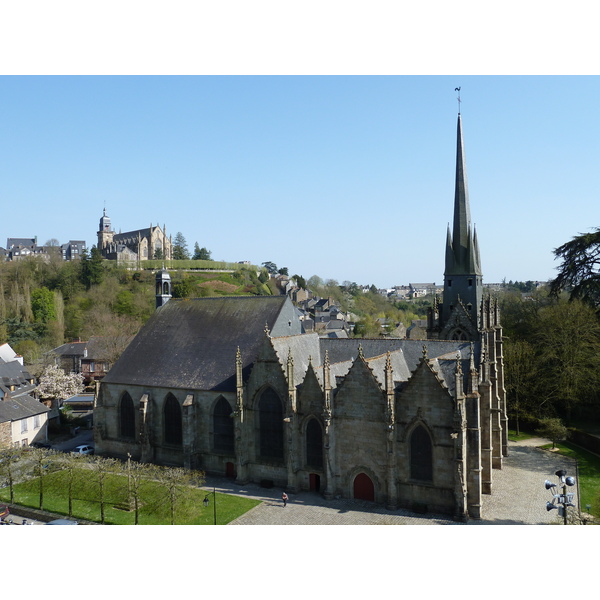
518, 498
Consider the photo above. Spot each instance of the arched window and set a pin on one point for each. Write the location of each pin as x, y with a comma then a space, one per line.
421, 455
271, 424
223, 427
314, 444
173, 421
127, 417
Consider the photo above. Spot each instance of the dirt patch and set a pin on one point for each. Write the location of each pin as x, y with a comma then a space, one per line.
219, 286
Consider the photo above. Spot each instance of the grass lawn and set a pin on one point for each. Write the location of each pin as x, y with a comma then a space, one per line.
589, 474
513, 437
155, 504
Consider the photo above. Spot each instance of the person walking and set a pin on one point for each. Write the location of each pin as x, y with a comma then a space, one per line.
284, 497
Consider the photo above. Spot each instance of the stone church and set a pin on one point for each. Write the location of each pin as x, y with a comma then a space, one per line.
133, 246
233, 386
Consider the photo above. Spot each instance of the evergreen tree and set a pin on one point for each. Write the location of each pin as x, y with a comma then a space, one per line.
180, 250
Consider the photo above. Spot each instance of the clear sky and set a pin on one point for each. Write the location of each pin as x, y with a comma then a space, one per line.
345, 177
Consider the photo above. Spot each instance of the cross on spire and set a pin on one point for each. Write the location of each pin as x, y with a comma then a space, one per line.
458, 90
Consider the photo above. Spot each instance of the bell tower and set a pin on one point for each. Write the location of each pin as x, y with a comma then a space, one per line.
105, 232
163, 287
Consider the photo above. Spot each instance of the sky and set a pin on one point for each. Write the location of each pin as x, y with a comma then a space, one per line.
349, 178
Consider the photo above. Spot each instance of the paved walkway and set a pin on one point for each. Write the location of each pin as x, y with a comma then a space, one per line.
518, 498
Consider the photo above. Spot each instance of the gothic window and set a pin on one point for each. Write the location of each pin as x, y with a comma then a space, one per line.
223, 427
127, 417
459, 335
270, 412
470, 282
421, 455
449, 282
314, 444
173, 421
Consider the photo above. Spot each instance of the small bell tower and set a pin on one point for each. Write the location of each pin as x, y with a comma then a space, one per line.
163, 287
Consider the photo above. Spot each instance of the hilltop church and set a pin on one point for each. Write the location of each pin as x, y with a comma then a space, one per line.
233, 386
133, 246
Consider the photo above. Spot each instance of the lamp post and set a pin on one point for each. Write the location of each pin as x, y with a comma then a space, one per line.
560, 501
206, 502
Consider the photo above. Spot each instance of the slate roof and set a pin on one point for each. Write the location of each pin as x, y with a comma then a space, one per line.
15, 374
192, 343
15, 409
71, 349
405, 356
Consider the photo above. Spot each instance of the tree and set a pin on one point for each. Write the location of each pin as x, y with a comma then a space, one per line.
283, 271
271, 267
579, 272
180, 250
300, 281
520, 376
92, 269
158, 254
177, 484
201, 253
567, 338
42, 305
553, 429
103, 467
57, 385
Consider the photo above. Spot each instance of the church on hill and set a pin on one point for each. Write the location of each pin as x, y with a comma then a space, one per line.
235, 387
133, 246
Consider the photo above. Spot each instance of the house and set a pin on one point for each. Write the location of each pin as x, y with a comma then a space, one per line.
23, 419
92, 358
235, 386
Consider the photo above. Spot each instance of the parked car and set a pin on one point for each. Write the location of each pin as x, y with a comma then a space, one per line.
4, 512
83, 449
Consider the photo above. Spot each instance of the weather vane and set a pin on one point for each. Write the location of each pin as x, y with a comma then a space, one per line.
458, 90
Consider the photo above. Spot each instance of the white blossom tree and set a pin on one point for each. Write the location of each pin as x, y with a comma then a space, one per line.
55, 384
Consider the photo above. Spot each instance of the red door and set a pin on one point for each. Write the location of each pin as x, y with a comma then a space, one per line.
364, 488
230, 470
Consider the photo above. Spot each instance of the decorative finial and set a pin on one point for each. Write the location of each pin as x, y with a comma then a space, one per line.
458, 90
424, 351
458, 363
267, 332
360, 351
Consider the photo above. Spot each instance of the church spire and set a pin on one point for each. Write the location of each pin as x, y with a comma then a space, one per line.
462, 275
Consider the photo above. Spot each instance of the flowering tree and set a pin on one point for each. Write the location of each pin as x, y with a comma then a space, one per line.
56, 384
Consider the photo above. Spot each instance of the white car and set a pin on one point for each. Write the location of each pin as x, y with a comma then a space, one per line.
83, 449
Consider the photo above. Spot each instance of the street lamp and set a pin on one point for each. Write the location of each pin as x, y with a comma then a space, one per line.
560, 501
206, 502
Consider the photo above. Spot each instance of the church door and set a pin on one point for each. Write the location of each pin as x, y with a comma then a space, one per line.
314, 481
364, 488
230, 470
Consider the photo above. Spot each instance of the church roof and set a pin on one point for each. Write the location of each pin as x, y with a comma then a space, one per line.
192, 343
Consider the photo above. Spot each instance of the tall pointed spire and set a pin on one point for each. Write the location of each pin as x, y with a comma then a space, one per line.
462, 275
462, 213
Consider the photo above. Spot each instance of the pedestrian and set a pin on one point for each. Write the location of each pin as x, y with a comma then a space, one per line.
284, 497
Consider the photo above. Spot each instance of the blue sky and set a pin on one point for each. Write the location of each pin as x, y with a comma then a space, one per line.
345, 177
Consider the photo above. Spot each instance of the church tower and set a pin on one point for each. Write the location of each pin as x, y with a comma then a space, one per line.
105, 232
459, 314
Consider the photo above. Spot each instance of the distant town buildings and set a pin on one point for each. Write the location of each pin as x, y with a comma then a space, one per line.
20, 248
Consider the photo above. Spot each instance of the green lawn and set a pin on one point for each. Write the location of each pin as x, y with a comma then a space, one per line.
155, 505
589, 474
513, 437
